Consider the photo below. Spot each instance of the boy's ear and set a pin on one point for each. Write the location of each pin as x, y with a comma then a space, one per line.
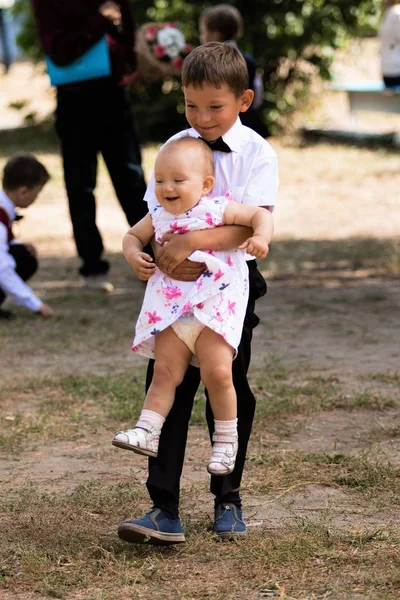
246, 100
208, 184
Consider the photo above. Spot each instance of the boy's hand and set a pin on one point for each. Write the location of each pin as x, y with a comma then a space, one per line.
111, 11
46, 311
175, 249
143, 265
188, 270
256, 246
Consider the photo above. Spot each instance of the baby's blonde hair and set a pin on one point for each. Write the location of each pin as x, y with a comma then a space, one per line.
198, 145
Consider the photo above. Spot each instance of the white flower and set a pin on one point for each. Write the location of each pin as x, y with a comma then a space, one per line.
172, 41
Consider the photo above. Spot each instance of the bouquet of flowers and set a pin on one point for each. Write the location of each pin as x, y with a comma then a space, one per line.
161, 49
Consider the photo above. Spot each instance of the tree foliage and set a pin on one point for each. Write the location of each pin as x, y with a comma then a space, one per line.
292, 40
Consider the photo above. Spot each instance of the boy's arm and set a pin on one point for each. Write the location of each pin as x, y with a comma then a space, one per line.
12, 284
261, 222
176, 248
132, 245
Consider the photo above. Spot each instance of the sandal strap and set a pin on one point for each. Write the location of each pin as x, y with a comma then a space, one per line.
225, 437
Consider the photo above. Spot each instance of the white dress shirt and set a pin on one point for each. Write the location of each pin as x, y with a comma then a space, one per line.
249, 172
10, 282
390, 42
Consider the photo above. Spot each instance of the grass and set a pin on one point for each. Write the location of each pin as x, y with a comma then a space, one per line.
75, 382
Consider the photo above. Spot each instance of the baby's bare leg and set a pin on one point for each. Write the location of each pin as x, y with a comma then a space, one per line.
215, 357
172, 358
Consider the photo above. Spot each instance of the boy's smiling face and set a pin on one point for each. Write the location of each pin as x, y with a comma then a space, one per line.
212, 111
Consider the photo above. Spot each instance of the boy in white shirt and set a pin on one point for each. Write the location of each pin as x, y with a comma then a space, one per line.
23, 179
215, 85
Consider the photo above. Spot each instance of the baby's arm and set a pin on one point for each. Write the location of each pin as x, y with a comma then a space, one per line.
132, 245
256, 217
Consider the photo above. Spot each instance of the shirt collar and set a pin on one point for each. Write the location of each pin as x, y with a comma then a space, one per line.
7, 204
233, 137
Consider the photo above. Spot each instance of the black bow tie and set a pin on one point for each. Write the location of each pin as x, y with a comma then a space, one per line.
219, 145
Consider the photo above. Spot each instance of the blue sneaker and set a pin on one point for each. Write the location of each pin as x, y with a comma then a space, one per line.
155, 526
228, 521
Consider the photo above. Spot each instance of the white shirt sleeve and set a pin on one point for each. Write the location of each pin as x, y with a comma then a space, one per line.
10, 282
262, 187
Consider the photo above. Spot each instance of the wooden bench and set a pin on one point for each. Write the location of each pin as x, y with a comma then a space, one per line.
370, 95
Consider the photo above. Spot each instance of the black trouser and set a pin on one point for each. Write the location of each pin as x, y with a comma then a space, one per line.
26, 264
4, 40
392, 81
91, 117
165, 470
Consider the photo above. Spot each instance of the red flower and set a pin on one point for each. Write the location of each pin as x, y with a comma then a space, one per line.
159, 51
151, 33
178, 62
188, 48
172, 25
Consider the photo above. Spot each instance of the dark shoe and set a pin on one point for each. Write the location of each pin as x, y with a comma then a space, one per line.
156, 526
228, 521
6, 315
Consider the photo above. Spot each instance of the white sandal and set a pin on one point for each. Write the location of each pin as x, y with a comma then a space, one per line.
222, 461
139, 440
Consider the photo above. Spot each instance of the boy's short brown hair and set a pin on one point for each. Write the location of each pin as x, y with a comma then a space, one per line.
224, 19
217, 64
24, 170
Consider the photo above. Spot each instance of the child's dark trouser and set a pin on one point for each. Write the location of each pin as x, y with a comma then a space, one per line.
165, 470
95, 117
26, 264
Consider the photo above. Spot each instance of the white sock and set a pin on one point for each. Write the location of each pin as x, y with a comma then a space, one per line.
224, 427
150, 417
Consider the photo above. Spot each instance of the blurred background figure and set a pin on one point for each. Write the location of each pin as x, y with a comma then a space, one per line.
224, 23
390, 43
94, 115
6, 35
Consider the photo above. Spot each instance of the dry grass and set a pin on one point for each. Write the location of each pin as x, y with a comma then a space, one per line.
321, 490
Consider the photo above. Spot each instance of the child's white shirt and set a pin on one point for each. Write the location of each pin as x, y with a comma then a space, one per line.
249, 172
10, 282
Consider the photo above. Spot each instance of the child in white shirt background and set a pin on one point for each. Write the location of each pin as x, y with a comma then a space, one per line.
23, 179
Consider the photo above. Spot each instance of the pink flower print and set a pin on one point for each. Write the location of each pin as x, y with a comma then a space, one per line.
218, 316
200, 305
231, 307
211, 252
218, 275
135, 348
176, 228
186, 308
172, 291
209, 219
153, 317
228, 195
229, 261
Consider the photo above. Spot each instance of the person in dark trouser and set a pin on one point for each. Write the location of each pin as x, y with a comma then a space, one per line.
23, 179
215, 85
94, 116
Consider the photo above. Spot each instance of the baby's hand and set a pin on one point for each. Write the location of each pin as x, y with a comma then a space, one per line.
256, 246
143, 265
46, 311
